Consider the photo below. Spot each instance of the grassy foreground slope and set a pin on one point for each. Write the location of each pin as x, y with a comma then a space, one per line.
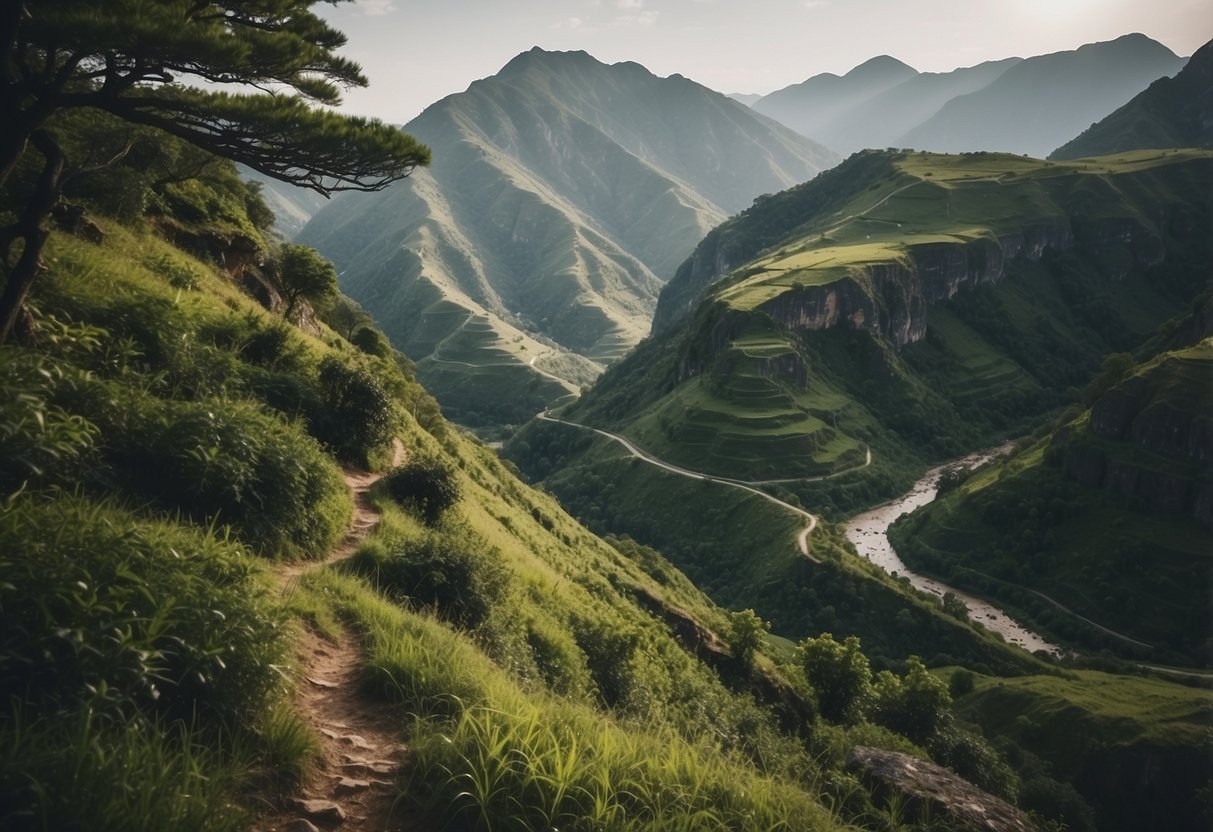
1108, 516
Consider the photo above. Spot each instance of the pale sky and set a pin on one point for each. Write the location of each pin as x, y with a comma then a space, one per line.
418, 51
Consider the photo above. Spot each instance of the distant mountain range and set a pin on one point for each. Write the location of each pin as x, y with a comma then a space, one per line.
1171, 112
563, 193
1027, 106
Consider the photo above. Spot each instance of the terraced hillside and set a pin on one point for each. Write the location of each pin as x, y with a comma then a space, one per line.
1103, 530
566, 193
916, 303
910, 306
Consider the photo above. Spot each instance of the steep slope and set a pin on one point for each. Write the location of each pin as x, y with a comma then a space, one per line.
567, 192
878, 246
1171, 112
1043, 101
1110, 516
811, 107
910, 306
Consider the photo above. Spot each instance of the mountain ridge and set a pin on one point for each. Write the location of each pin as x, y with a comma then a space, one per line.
569, 190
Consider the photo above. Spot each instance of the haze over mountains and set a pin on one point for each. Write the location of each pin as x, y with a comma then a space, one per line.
1015, 105
1171, 112
567, 192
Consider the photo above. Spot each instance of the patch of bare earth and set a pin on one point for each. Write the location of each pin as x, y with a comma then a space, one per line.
353, 785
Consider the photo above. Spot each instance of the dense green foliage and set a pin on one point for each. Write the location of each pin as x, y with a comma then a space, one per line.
1096, 531
425, 484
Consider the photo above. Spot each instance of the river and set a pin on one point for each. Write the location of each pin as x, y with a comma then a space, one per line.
867, 532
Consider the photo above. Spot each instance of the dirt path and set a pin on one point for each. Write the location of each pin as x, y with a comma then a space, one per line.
802, 539
353, 783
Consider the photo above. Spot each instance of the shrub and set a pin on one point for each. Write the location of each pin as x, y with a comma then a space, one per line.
39, 441
840, 674
98, 607
915, 705
357, 414
747, 632
426, 484
454, 571
229, 462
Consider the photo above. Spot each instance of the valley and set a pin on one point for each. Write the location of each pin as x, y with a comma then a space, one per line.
599, 452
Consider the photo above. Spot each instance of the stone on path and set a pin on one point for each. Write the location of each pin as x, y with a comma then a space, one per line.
301, 825
325, 811
348, 785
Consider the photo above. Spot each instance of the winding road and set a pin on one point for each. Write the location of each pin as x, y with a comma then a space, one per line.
802, 540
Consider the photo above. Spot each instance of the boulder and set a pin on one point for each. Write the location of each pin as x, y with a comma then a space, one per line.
927, 788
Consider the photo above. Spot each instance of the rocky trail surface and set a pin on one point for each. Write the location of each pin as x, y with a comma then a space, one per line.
353, 784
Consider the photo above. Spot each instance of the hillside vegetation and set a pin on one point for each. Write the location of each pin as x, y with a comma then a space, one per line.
1108, 516
912, 305
531, 252
169, 440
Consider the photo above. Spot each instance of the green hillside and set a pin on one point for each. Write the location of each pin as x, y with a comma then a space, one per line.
176, 462
569, 192
913, 304
995, 300
1107, 516
1171, 112
1137, 749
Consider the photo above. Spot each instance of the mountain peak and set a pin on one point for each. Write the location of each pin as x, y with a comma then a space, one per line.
882, 65
537, 55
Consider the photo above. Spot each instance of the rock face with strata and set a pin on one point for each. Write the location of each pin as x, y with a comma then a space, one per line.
1150, 437
931, 789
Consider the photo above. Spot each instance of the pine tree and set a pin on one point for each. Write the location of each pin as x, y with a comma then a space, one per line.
130, 58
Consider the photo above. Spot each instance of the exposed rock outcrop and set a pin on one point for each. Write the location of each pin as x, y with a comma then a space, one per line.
893, 297
931, 789
1148, 439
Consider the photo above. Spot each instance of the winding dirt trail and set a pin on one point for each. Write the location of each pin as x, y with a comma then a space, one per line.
802, 539
353, 784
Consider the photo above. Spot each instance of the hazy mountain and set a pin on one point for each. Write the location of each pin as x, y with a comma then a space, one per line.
563, 193
1041, 102
811, 106
881, 120
1171, 112
746, 98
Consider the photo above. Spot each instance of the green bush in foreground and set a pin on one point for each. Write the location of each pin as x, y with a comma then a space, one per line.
425, 484
129, 616
233, 463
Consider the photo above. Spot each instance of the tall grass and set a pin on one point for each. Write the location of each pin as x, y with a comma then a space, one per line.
488, 754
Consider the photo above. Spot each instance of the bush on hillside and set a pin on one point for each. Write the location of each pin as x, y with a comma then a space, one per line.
126, 615
452, 570
40, 442
425, 484
357, 410
228, 463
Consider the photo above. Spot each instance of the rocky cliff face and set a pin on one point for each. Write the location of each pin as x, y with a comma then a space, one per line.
893, 298
1157, 436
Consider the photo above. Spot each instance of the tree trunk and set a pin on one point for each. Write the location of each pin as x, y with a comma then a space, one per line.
29, 228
